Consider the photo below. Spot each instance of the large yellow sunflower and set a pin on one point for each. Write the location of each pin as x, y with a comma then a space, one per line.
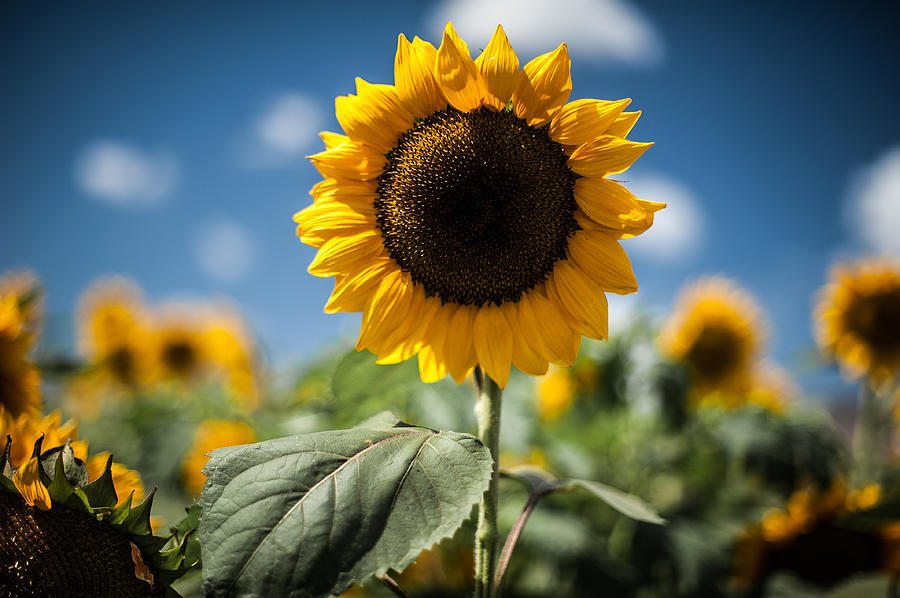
716, 330
467, 214
857, 319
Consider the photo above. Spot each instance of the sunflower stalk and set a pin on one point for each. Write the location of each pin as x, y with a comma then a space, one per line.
487, 535
873, 433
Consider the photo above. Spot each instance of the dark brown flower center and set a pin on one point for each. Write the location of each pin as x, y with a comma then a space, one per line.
716, 354
476, 206
122, 364
876, 320
180, 357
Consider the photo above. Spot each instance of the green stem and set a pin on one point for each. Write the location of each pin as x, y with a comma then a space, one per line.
486, 535
872, 436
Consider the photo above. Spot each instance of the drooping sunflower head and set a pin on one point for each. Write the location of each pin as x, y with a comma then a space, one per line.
857, 318
70, 531
467, 214
19, 378
716, 330
112, 330
208, 436
805, 537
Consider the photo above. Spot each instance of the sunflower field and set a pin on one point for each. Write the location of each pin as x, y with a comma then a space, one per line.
490, 429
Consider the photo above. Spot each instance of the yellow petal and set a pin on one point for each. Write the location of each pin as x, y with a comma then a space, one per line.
432, 360
613, 206
605, 155
352, 292
524, 355
493, 343
375, 116
603, 260
351, 161
544, 88
430, 368
332, 140
414, 77
386, 309
546, 329
341, 255
406, 348
456, 73
623, 124
28, 482
332, 188
499, 69
322, 221
582, 298
584, 120
459, 347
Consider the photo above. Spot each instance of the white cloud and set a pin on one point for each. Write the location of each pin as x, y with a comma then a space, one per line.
224, 250
678, 229
123, 174
597, 30
874, 203
286, 129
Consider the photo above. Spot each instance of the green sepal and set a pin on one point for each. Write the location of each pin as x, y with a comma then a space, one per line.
8, 470
508, 107
178, 560
102, 492
60, 488
149, 545
138, 520
8, 485
118, 515
36, 451
77, 501
74, 468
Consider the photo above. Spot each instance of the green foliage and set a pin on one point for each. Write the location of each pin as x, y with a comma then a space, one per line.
541, 483
310, 515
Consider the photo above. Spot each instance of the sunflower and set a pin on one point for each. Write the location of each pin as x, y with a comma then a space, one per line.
806, 538
179, 349
231, 347
210, 435
716, 331
26, 287
555, 393
19, 378
60, 535
467, 213
857, 318
112, 332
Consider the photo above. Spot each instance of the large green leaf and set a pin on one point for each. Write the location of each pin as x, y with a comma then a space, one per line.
309, 515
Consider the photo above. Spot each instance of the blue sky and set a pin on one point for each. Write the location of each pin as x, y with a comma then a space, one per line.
165, 141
